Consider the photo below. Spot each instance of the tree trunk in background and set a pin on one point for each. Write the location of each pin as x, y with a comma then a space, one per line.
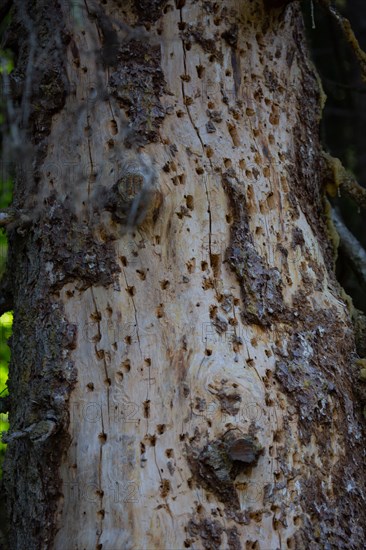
345, 110
187, 384
357, 16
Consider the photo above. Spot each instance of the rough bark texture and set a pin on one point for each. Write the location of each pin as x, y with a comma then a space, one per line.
190, 383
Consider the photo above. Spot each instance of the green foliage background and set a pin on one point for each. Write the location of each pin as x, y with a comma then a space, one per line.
5, 332
6, 322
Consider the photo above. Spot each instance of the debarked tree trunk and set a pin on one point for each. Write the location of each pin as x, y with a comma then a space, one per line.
181, 372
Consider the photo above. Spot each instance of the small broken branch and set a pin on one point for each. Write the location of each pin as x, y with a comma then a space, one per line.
353, 189
339, 178
15, 219
6, 216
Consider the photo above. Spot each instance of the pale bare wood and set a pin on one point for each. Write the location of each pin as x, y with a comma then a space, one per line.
151, 347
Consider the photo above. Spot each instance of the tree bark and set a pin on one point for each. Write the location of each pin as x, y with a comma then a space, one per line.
182, 359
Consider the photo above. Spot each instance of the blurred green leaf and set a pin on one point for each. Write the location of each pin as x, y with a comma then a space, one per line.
6, 322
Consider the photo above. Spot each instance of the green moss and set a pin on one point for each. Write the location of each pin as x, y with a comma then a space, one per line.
363, 374
348, 301
361, 364
337, 174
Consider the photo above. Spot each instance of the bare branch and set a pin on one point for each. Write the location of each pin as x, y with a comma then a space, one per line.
341, 179
349, 35
6, 217
353, 189
351, 247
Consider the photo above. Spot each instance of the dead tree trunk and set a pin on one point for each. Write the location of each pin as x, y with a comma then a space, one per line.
182, 359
